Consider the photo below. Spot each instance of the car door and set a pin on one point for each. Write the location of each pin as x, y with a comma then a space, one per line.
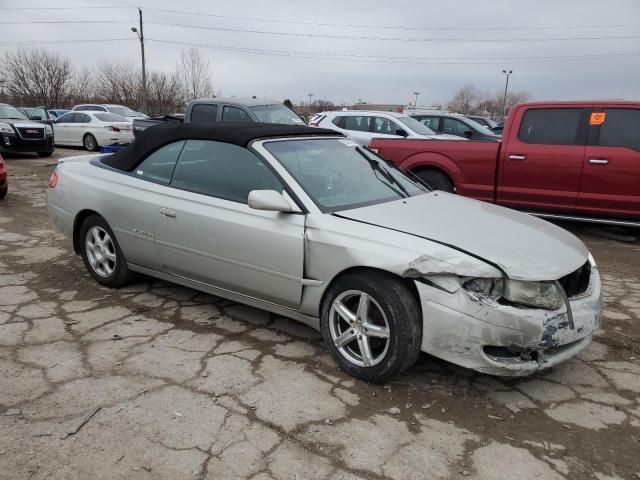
61, 129
358, 128
138, 198
206, 232
384, 127
78, 127
453, 126
430, 122
541, 164
611, 175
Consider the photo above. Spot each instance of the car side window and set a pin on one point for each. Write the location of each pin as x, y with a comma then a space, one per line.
81, 118
234, 114
550, 126
338, 122
621, 128
222, 170
454, 127
358, 123
204, 113
159, 166
432, 122
385, 126
39, 112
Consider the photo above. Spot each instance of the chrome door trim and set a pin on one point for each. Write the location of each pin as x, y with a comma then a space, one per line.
599, 161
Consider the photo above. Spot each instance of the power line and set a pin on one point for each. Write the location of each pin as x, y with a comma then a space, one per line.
44, 42
398, 39
391, 27
393, 60
64, 21
67, 8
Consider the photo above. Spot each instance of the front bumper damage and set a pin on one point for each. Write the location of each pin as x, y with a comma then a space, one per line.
500, 339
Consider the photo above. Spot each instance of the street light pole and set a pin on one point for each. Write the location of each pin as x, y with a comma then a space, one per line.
140, 32
416, 101
310, 97
506, 87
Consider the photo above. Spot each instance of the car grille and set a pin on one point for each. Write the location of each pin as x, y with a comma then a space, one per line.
31, 133
576, 283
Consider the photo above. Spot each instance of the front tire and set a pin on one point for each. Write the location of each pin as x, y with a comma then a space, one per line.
372, 325
435, 180
90, 142
45, 154
101, 253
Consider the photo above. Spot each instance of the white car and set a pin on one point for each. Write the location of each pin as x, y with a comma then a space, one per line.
91, 129
121, 110
361, 126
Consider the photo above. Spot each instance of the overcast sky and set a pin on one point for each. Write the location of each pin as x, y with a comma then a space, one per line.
437, 47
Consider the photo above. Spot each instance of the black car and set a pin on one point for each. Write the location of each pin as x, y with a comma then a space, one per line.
456, 125
18, 134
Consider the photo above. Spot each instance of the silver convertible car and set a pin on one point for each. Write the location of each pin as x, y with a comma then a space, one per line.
306, 224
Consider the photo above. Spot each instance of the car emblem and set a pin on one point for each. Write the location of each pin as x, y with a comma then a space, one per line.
32, 131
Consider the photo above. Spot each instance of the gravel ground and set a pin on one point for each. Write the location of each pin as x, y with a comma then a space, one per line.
173, 383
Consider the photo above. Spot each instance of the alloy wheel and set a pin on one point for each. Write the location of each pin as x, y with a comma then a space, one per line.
100, 251
359, 328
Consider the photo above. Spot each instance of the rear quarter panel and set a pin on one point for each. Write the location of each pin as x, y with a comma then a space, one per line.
471, 164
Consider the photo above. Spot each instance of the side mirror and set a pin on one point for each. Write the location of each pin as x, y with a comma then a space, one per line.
468, 133
269, 200
401, 133
36, 117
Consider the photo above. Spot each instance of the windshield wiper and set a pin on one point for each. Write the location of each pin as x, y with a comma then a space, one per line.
375, 165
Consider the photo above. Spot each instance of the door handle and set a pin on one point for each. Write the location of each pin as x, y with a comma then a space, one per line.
517, 157
167, 213
599, 161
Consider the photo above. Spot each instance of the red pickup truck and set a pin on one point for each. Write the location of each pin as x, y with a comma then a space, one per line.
572, 160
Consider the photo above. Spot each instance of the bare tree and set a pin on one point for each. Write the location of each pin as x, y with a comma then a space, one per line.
40, 76
465, 99
83, 86
195, 73
164, 93
119, 83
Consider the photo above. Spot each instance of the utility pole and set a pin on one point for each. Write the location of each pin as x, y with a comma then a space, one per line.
140, 32
506, 87
416, 101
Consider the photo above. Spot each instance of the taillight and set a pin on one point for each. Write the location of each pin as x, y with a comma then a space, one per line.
112, 129
53, 181
374, 150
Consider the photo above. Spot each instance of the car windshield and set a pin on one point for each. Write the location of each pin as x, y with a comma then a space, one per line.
122, 111
478, 126
416, 126
339, 175
109, 117
12, 113
486, 122
276, 113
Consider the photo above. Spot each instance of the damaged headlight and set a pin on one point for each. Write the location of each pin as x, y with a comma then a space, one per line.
491, 287
534, 294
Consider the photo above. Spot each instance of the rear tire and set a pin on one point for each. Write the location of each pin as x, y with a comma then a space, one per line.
390, 335
3, 192
90, 142
435, 180
101, 253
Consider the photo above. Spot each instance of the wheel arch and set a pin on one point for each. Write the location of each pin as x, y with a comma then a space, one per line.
81, 216
362, 269
433, 161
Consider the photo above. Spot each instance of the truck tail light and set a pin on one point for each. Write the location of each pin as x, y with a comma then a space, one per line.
53, 181
374, 150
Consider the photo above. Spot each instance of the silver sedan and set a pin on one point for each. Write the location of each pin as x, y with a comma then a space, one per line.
306, 224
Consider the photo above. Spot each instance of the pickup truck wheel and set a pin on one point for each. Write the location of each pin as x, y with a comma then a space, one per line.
435, 180
101, 253
372, 325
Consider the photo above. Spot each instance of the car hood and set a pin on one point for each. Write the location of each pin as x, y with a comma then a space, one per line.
522, 246
21, 122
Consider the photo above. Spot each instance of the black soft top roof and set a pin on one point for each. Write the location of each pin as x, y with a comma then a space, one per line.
240, 134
